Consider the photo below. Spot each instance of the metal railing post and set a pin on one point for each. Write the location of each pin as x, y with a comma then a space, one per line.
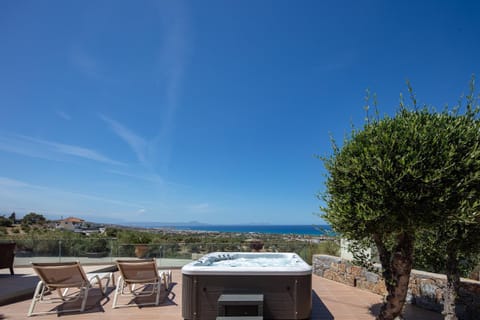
59, 250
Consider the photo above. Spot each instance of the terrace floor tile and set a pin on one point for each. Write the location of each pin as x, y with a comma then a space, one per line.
331, 301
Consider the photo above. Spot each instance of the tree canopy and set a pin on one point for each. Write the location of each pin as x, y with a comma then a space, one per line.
5, 222
400, 175
33, 218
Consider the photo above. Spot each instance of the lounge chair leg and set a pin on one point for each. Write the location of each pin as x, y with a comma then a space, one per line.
166, 277
99, 281
35, 298
63, 293
159, 287
118, 290
104, 290
85, 298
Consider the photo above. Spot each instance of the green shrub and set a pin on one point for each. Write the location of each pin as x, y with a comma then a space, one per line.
330, 247
4, 222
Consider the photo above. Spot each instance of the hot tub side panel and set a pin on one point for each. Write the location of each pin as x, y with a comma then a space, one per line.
189, 304
285, 297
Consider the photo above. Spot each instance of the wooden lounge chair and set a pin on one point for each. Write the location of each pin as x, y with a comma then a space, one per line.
59, 278
143, 273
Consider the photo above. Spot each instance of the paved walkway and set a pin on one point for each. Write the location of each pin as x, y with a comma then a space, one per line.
331, 301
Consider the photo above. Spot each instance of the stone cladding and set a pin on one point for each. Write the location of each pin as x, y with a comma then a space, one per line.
425, 289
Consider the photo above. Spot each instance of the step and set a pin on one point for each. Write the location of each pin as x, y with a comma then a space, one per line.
241, 299
239, 318
240, 306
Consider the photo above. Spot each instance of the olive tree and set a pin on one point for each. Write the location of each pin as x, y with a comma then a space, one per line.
451, 245
388, 181
451, 248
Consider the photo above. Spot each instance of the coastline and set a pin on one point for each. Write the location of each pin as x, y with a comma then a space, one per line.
299, 230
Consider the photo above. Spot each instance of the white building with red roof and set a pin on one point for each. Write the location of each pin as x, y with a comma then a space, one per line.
70, 223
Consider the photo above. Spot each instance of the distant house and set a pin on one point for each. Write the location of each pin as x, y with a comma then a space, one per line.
70, 223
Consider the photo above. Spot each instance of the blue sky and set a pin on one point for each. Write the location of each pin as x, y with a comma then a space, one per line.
173, 111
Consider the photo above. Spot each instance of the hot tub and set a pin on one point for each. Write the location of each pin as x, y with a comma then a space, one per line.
284, 279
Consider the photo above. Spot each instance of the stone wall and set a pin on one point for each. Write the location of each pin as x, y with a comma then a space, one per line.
425, 289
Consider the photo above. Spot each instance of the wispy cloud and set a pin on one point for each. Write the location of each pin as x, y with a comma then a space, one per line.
18, 185
4, 181
25, 148
64, 115
13, 183
39, 148
154, 178
174, 49
73, 150
173, 57
134, 141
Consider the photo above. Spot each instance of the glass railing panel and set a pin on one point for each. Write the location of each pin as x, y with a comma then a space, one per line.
61, 250
107, 250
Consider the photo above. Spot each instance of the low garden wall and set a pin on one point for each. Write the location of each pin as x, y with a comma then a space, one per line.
425, 288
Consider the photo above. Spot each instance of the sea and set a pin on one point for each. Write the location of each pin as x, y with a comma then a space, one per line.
313, 230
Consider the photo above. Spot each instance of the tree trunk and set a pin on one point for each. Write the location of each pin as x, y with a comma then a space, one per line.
397, 266
452, 288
